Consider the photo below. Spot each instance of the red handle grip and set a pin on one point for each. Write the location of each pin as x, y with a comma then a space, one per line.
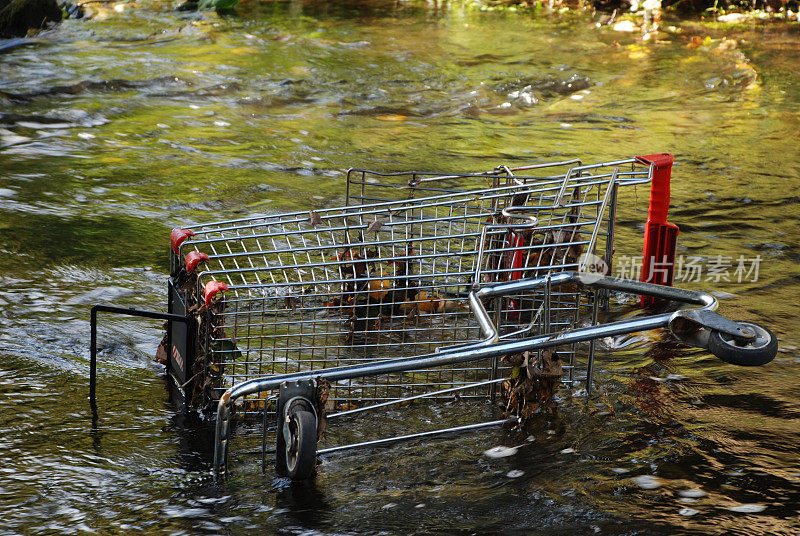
659, 188
660, 236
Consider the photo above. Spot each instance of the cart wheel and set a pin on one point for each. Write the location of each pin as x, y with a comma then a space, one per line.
758, 352
301, 444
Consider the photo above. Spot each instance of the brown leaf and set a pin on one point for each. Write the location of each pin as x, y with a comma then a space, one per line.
449, 306
321, 404
161, 354
514, 360
576, 196
575, 250
315, 218
551, 363
519, 200
391, 117
557, 236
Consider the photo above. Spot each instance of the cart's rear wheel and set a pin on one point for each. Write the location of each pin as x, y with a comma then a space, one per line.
747, 354
301, 444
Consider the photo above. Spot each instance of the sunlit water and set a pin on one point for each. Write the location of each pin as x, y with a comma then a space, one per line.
118, 128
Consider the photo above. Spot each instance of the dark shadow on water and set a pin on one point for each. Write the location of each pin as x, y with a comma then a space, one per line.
304, 503
195, 441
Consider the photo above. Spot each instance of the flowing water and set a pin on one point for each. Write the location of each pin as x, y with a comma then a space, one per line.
115, 129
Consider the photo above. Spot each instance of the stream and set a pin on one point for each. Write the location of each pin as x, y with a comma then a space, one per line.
116, 129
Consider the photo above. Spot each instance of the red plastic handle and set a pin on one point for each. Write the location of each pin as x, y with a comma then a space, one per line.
177, 237
660, 236
659, 189
211, 289
517, 255
193, 258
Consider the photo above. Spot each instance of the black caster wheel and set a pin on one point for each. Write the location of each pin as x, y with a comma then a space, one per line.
300, 433
757, 352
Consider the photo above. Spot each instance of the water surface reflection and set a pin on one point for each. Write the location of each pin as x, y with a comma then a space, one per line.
113, 130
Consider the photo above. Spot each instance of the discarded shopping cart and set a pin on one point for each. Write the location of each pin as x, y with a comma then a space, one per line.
422, 286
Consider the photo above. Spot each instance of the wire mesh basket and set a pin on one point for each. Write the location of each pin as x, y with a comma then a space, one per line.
390, 278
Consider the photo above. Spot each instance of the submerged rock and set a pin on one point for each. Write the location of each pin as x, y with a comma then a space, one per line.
219, 5
72, 10
500, 452
524, 97
546, 87
19, 16
648, 482
625, 26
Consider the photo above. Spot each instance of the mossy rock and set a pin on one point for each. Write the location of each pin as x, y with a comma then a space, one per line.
19, 16
222, 6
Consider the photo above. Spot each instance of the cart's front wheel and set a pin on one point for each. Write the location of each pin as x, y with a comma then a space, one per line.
757, 352
301, 444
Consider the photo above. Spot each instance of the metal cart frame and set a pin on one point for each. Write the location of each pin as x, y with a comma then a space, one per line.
419, 287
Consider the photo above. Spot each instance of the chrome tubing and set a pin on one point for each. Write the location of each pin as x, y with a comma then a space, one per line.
478, 351
389, 440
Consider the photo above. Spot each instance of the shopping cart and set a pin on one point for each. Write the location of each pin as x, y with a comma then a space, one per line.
421, 286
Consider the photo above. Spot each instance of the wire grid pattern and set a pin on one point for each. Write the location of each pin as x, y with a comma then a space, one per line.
366, 187
374, 281
343, 286
573, 221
